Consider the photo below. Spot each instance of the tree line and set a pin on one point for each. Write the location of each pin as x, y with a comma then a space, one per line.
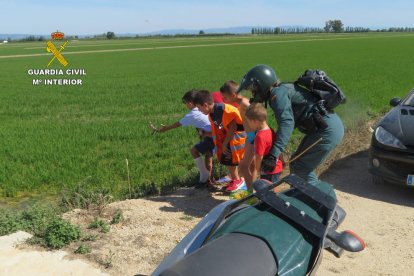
286, 30
331, 26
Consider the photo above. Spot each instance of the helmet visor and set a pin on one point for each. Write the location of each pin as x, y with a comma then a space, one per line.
245, 84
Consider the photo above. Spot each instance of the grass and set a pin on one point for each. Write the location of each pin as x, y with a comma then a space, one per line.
55, 136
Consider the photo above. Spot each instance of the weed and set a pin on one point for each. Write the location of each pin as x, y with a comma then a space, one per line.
77, 197
33, 220
84, 197
9, 223
83, 249
99, 224
89, 237
48, 228
117, 218
107, 263
60, 233
102, 200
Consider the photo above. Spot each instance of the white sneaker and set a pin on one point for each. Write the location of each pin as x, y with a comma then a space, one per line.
223, 180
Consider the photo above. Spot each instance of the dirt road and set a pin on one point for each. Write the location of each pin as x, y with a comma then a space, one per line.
383, 215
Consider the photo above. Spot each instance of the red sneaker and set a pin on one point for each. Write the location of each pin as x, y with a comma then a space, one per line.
235, 185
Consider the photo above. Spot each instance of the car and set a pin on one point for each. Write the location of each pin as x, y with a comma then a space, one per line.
391, 154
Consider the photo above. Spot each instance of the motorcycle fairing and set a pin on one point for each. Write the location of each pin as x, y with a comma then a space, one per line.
298, 240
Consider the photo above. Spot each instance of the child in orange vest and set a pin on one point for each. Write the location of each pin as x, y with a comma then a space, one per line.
256, 116
230, 95
228, 135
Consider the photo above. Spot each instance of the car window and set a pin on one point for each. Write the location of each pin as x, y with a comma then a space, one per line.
410, 100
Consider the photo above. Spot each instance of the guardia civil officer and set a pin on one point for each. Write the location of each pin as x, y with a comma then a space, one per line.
293, 107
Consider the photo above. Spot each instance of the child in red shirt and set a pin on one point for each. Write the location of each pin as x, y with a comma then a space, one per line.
256, 116
217, 97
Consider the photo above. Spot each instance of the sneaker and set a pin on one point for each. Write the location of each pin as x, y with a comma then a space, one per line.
204, 184
200, 185
231, 182
236, 185
223, 180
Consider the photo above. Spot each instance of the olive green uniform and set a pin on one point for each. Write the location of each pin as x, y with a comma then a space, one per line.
291, 107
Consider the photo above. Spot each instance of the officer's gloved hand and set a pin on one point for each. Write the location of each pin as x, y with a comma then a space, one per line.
269, 163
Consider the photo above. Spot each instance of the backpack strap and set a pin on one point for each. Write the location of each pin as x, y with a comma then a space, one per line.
217, 115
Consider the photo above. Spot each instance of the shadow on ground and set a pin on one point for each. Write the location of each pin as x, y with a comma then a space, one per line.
193, 202
350, 175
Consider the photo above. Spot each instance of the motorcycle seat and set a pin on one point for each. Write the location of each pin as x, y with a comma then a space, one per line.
231, 254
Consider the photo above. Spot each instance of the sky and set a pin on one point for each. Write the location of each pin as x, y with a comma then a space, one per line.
137, 16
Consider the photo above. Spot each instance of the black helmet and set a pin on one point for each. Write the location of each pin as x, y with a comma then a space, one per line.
259, 80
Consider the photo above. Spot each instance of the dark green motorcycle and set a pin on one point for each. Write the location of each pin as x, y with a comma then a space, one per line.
280, 234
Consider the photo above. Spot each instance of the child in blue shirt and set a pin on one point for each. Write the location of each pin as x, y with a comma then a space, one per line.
205, 147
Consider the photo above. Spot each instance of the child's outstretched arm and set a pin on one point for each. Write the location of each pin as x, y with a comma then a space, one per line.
163, 128
169, 127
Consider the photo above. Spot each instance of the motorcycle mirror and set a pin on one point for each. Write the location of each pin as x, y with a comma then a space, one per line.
347, 240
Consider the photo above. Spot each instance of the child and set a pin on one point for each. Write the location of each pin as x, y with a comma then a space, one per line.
228, 135
256, 116
218, 98
206, 146
230, 95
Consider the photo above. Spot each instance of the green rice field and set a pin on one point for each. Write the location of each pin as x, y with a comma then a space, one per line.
56, 136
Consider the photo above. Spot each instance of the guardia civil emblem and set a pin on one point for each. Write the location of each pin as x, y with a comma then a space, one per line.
53, 49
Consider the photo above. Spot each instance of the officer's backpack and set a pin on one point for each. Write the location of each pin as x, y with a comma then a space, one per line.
320, 85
